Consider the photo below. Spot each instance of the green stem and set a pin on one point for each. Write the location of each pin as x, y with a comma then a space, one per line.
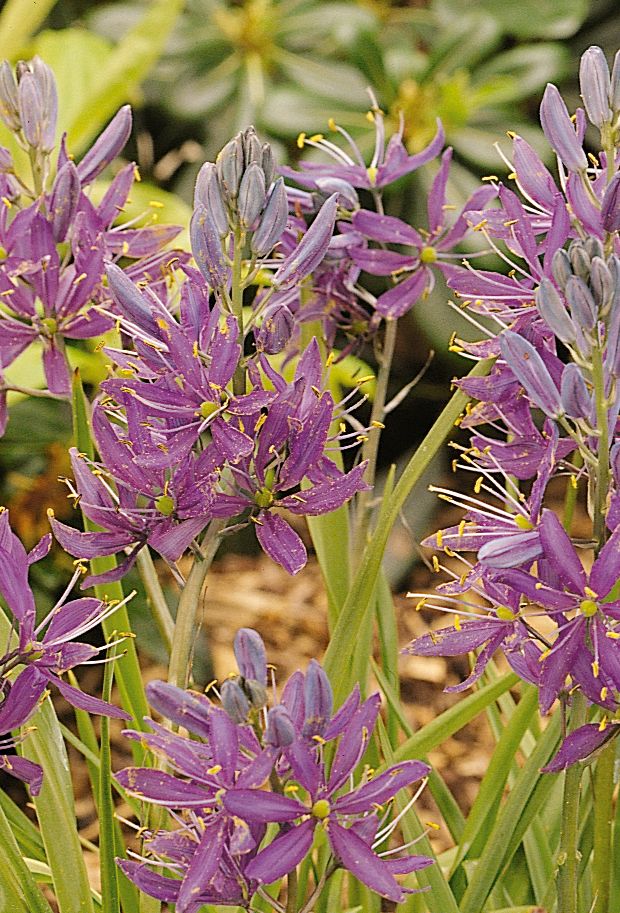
291, 888
568, 858
188, 610
237, 308
570, 496
603, 817
370, 449
156, 598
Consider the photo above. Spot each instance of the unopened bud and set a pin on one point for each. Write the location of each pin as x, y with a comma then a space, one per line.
268, 164
252, 148
582, 305
234, 701
318, 700
207, 193
229, 166
312, 247
614, 88
276, 329
531, 372
576, 400
580, 261
594, 81
130, 300
602, 285
251, 200
558, 128
610, 209
9, 104
272, 222
561, 268
251, 655
207, 248
107, 146
280, 732
64, 200
552, 309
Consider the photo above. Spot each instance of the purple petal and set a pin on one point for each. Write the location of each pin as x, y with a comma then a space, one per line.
223, 741
353, 743
581, 745
89, 545
166, 889
312, 247
511, 551
107, 146
606, 569
185, 708
24, 770
77, 615
203, 867
560, 552
452, 641
389, 229
559, 130
283, 855
162, 788
357, 857
280, 542
343, 715
531, 372
407, 864
327, 496
22, 699
87, 702
381, 788
261, 806
398, 300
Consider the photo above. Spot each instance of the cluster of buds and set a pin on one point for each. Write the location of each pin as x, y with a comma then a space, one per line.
29, 103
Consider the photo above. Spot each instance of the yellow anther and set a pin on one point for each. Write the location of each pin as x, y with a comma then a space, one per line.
301, 140
457, 622
215, 769
478, 484
316, 137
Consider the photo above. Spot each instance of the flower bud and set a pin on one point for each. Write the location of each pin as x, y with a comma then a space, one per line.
234, 701
9, 104
31, 110
256, 693
275, 330
272, 222
185, 708
252, 148
251, 655
130, 300
107, 146
64, 200
229, 167
614, 88
251, 200
268, 164
593, 247
280, 732
7, 165
576, 400
531, 372
312, 247
207, 193
318, 700
207, 248
558, 128
580, 261
561, 268
610, 209
582, 305
553, 311
602, 285
594, 81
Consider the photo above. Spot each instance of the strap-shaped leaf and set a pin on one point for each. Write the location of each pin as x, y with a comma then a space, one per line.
18, 890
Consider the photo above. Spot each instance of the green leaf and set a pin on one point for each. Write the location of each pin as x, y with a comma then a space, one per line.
454, 719
26, 834
56, 813
126, 67
524, 802
18, 20
343, 644
18, 890
528, 19
439, 898
107, 847
493, 783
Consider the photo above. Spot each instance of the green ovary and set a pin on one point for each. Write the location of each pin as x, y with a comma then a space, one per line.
588, 607
321, 809
165, 505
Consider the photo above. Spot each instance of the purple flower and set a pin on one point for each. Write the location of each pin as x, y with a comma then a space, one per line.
389, 162
166, 508
349, 819
584, 609
431, 249
46, 650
